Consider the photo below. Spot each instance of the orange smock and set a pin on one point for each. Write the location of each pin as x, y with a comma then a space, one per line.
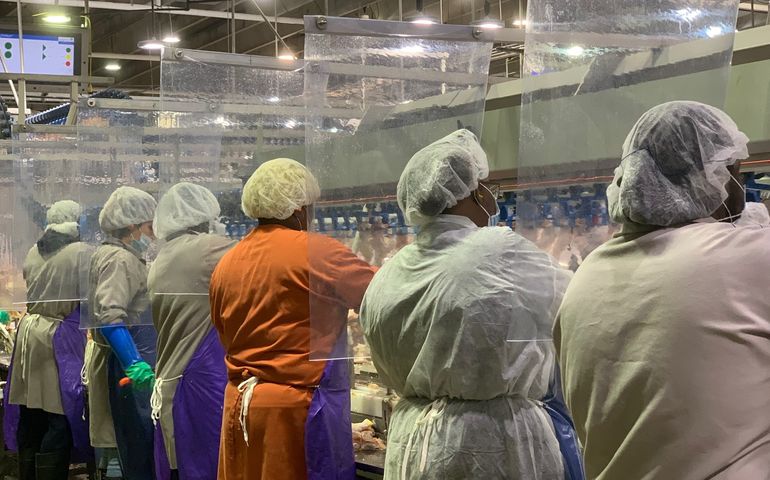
260, 305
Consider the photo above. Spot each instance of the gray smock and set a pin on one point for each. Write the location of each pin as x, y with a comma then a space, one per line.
179, 291
437, 317
117, 294
53, 281
664, 342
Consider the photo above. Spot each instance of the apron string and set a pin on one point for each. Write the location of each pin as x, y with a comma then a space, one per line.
156, 400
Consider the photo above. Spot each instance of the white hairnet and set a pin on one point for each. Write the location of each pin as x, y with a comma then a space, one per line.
440, 175
185, 205
63, 211
126, 206
674, 166
277, 188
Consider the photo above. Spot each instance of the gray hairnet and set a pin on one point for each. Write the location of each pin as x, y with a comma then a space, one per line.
126, 206
185, 205
63, 211
674, 166
440, 175
277, 188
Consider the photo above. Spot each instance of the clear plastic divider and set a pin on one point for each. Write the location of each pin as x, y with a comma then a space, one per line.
374, 99
46, 216
590, 70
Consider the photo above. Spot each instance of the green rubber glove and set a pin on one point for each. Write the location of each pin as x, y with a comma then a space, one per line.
141, 375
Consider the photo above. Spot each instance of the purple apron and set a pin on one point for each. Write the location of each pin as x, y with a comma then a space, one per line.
69, 345
328, 435
11, 413
197, 412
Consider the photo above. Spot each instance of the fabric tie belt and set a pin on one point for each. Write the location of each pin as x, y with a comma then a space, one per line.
427, 418
156, 400
246, 390
426, 421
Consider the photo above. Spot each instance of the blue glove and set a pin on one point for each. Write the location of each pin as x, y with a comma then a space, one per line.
122, 345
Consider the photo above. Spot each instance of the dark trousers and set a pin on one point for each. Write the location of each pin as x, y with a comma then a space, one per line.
131, 415
45, 441
42, 431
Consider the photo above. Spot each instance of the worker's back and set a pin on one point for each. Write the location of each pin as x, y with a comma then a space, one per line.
663, 344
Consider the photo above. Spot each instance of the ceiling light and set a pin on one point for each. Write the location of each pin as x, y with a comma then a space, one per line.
273, 99
575, 51
152, 44
290, 123
520, 22
286, 55
489, 24
112, 67
424, 20
171, 38
56, 18
333, 130
688, 14
412, 49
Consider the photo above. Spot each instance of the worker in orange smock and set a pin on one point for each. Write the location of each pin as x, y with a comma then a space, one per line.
285, 416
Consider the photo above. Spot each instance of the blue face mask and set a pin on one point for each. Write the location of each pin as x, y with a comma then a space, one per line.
493, 219
142, 244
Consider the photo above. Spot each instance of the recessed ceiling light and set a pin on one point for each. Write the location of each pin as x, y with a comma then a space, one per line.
171, 38
112, 67
489, 24
152, 44
424, 20
56, 18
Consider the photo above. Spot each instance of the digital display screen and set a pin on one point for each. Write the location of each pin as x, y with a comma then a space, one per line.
43, 54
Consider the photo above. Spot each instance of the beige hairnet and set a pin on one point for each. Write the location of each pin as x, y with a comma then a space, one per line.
278, 188
63, 217
63, 211
185, 205
126, 206
674, 166
440, 175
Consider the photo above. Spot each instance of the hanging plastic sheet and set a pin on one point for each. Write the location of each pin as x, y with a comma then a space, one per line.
45, 218
590, 70
8, 274
119, 146
222, 116
377, 92
47, 253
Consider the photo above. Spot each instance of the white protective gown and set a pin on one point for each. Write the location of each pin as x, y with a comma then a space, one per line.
664, 344
437, 317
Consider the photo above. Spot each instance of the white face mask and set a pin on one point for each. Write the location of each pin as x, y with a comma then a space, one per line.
493, 219
217, 228
730, 215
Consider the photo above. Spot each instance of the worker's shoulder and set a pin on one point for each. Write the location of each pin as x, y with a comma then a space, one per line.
503, 240
737, 242
317, 242
107, 254
203, 243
